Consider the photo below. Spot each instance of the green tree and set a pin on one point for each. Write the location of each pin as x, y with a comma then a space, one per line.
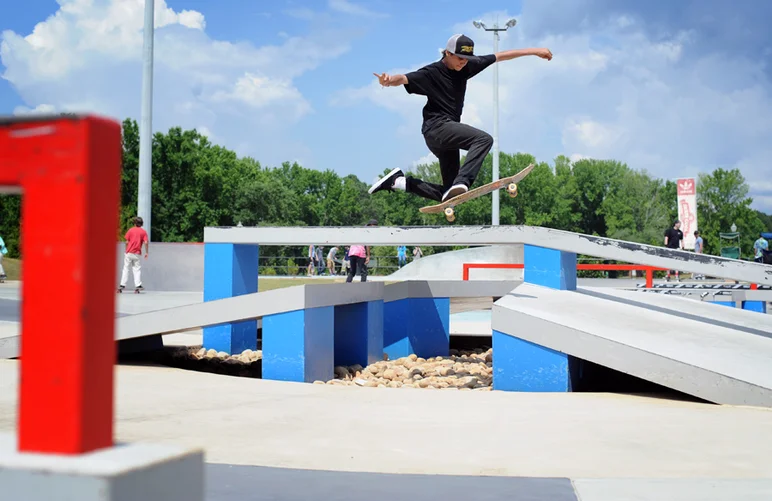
722, 200
638, 210
10, 217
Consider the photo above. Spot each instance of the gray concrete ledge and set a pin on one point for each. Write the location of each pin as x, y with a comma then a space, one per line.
246, 307
717, 363
258, 483
124, 472
704, 311
608, 248
448, 288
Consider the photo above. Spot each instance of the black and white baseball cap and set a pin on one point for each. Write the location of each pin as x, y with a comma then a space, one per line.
461, 46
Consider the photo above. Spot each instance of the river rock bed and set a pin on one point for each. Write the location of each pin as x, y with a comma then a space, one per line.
244, 364
461, 370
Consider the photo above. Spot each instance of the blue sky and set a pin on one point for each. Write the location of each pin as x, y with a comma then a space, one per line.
675, 88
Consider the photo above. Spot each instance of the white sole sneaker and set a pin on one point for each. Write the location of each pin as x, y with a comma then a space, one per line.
454, 191
386, 182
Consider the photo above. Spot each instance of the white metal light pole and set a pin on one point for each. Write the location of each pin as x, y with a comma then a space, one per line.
145, 184
479, 24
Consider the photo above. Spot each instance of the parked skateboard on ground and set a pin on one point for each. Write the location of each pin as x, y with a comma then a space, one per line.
510, 183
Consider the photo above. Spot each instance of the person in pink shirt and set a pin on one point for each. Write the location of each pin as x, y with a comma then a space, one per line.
135, 237
359, 257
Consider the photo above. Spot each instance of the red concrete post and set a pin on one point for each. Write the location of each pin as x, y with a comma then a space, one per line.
69, 169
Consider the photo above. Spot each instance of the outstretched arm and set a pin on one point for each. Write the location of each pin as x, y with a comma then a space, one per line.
391, 80
514, 53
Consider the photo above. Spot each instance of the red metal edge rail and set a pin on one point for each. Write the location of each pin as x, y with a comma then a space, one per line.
68, 169
587, 267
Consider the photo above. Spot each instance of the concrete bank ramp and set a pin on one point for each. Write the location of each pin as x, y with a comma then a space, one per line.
713, 352
450, 265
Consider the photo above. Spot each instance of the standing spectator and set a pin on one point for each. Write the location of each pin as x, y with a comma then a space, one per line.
135, 237
402, 255
319, 260
3, 252
674, 239
346, 261
759, 246
699, 249
311, 260
359, 258
417, 253
331, 259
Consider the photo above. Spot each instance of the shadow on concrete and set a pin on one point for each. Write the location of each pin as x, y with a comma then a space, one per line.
252, 483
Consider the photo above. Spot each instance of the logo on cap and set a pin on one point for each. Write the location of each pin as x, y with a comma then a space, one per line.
467, 48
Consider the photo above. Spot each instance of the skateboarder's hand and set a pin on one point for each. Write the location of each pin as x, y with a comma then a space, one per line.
384, 79
544, 54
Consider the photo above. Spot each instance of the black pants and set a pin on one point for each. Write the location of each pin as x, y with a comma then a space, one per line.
445, 140
356, 262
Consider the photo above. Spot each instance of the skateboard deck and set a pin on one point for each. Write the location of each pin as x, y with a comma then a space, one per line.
510, 183
136, 291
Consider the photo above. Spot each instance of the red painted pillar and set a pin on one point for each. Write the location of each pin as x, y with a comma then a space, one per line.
649, 278
68, 168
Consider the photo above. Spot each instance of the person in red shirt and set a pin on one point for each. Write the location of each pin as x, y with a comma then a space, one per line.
135, 237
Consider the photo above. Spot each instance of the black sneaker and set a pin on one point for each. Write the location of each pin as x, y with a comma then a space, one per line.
387, 181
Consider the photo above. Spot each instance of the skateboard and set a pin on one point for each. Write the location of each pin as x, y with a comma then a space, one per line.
447, 206
136, 291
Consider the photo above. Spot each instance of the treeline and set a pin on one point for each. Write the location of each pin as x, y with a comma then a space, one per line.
197, 184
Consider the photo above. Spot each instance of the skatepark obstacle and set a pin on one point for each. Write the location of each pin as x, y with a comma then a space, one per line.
64, 443
230, 255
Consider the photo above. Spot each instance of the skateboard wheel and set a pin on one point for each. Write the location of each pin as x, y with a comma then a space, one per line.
512, 189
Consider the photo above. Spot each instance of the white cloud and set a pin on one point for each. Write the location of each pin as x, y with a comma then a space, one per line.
616, 92
348, 7
40, 109
87, 57
427, 159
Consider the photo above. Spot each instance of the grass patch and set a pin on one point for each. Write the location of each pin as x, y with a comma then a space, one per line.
12, 268
267, 284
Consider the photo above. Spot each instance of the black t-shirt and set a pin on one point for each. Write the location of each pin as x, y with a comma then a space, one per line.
444, 88
674, 238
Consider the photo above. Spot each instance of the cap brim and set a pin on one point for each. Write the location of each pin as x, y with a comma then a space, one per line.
468, 58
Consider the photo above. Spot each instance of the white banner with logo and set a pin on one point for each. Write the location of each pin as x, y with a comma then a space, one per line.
687, 209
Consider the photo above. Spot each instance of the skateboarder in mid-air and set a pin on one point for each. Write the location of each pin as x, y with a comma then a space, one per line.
443, 82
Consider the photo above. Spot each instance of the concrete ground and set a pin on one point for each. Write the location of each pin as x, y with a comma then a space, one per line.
638, 447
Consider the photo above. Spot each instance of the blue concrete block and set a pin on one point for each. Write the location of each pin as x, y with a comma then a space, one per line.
519, 365
759, 306
299, 345
549, 267
417, 325
230, 270
359, 333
